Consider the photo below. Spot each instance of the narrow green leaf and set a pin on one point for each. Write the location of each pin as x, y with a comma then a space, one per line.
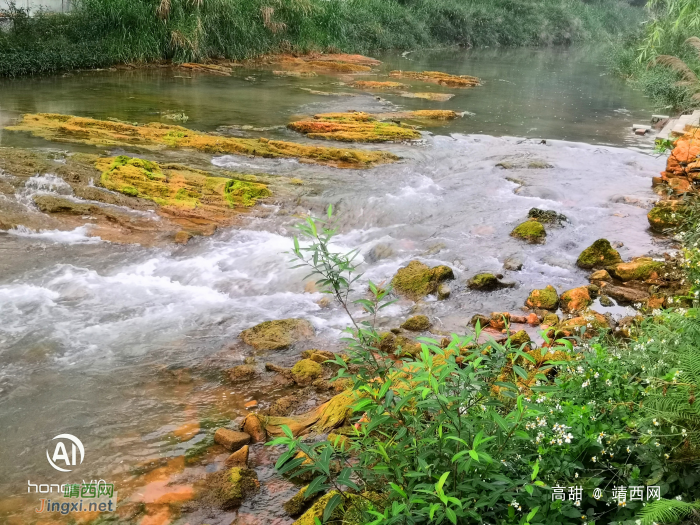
331, 505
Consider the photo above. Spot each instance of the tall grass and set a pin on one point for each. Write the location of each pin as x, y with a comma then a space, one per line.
104, 32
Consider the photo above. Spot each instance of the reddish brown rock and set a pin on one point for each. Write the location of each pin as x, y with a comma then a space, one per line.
238, 458
575, 300
253, 426
230, 439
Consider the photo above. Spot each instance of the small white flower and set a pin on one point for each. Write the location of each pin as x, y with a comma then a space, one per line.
594, 459
596, 375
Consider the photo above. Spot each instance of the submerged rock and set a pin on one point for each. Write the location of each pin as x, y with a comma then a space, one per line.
352, 127
639, 269
600, 254
229, 488
606, 301
514, 264
242, 373
416, 280
575, 300
157, 136
443, 291
275, 335
417, 323
372, 85
438, 77
531, 231
545, 298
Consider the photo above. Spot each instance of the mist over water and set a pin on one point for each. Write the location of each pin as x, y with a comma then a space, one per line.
87, 327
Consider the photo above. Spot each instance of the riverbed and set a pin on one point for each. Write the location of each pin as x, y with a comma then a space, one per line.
123, 345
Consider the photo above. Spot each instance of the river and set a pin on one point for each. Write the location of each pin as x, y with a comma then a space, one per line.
96, 337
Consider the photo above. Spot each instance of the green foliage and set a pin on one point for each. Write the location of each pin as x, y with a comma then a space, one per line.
470, 432
669, 511
98, 33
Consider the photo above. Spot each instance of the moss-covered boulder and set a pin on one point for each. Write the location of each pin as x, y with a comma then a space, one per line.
398, 344
591, 320
306, 371
531, 231
639, 269
275, 335
600, 275
550, 319
667, 215
416, 280
324, 418
417, 323
316, 510
484, 281
351, 511
242, 373
320, 356
519, 338
298, 503
228, 489
575, 300
600, 254
545, 298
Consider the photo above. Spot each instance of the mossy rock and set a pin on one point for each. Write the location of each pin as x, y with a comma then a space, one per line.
229, 488
667, 215
306, 371
276, 335
551, 319
316, 510
531, 231
242, 373
320, 356
590, 319
600, 275
350, 512
544, 298
519, 338
483, 281
639, 269
606, 301
600, 254
575, 300
546, 216
298, 503
417, 323
416, 280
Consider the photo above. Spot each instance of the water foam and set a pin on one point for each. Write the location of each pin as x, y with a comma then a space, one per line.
77, 236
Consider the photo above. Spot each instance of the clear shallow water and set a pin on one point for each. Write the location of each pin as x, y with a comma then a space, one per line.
90, 329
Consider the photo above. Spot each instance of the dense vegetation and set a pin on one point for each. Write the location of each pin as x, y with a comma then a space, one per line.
663, 57
105, 32
471, 432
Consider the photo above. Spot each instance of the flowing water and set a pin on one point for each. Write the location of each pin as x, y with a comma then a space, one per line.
123, 346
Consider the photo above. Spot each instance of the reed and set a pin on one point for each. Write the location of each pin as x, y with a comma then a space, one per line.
100, 33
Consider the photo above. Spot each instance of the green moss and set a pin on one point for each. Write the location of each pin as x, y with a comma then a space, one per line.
416, 280
483, 281
519, 338
297, 503
667, 215
639, 269
246, 193
275, 335
229, 488
316, 510
600, 254
531, 231
306, 371
417, 323
544, 298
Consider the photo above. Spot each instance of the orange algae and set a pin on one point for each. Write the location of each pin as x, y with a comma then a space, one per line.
333, 62
438, 77
371, 84
352, 127
155, 135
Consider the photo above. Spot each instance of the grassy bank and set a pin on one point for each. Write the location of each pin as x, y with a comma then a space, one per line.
660, 59
104, 32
